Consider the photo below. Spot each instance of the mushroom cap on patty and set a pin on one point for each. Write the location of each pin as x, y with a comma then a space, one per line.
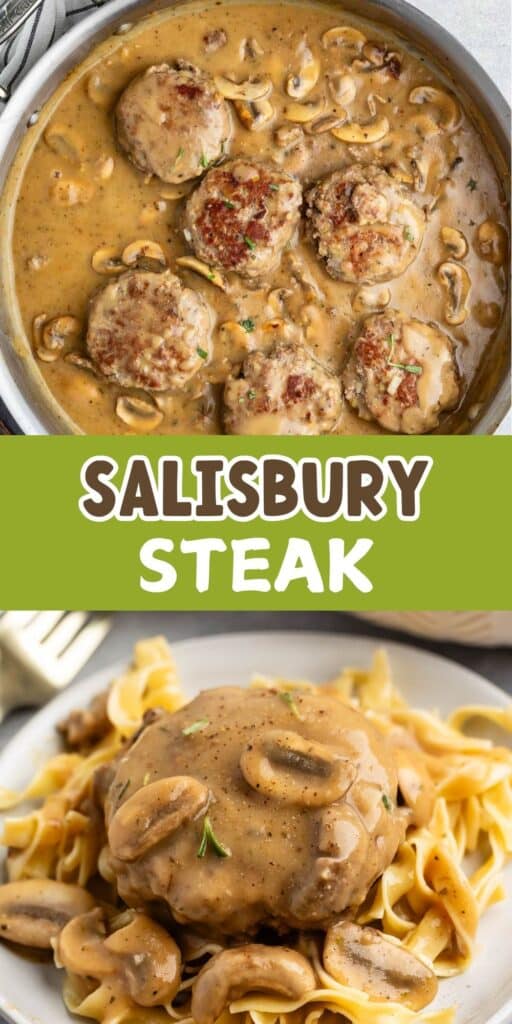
402, 373
284, 391
244, 809
172, 122
146, 330
364, 225
242, 216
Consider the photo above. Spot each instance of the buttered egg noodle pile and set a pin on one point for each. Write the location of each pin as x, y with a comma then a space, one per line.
427, 902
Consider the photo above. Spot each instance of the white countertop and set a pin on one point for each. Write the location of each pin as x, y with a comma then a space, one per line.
483, 27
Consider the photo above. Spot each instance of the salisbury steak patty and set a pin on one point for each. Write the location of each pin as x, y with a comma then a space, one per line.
172, 122
402, 373
245, 809
147, 331
284, 391
364, 225
242, 216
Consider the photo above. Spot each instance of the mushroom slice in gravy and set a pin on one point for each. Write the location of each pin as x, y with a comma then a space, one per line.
365, 959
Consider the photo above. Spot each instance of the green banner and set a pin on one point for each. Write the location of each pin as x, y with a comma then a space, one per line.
256, 523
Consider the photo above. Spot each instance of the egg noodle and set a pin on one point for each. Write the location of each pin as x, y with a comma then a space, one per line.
427, 900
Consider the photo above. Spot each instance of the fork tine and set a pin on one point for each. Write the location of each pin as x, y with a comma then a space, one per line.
81, 649
42, 625
64, 633
15, 620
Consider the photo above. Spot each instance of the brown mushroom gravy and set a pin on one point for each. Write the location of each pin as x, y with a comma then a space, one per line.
224, 182
270, 812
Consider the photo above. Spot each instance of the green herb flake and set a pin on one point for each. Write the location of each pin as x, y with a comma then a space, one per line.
274, 188
202, 352
248, 325
249, 243
387, 802
194, 727
229, 204
288, 699
179, 155
251, 394
209, 838
408, 367
204, 162
472, 185
408, 235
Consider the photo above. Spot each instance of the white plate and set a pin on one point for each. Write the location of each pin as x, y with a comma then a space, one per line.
30, 993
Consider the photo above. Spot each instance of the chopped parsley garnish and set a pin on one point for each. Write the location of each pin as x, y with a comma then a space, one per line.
249, 243
288, 699
198, 726
408, 235
204, 161
408, 367
202, 353
251, 395
248, 325
229, 204
209, 838
387, 802
179, 155
472, 185
274, 188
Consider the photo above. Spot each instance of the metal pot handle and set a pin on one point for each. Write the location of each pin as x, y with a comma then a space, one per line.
13, 14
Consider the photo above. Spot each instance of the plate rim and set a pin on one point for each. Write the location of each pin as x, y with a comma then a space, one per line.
97, 680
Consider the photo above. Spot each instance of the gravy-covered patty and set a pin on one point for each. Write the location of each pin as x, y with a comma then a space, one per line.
402, 373
364, 225
252, 807
172, 122
284, 391
242, 216
146, 330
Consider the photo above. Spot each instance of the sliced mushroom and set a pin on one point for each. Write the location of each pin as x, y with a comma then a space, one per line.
371, 297
420, 168
289, 136
455, 243
215, 40
344, 35
326, 123
457, 284
449, 110
492, 242
149, 959
252, 89
71, 192
32, 912
301, 113
362, 134
100, 92
37, 328
423, 125
233, 973
368, 960
250, 49
210, 273
147, 251
53, 334
154, 812
286, 767
65, 142
234, 339
106, 260
342, 88
300, 84
138, 414
255, 115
